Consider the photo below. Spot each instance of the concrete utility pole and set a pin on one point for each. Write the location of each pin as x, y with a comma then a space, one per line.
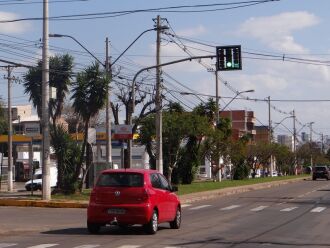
10, 133
270, 136
45, 108
294, 141
108, 107
217, 96
158, 103
311, 140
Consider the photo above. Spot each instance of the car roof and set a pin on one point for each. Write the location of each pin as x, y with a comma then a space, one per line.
142, 171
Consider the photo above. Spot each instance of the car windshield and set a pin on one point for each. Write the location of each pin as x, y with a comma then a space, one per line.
37, 176
120, 180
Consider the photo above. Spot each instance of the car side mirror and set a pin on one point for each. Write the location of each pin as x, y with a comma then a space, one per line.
174, 188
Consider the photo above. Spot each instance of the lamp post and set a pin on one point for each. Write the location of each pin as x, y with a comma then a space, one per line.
108, 68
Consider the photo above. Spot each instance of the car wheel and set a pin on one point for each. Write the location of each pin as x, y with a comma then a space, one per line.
152, 225
175, 224
93, 228
314, 178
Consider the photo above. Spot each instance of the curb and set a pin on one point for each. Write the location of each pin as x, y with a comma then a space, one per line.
185, 199
41, 203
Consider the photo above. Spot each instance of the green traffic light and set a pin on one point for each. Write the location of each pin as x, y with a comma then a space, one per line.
229, 64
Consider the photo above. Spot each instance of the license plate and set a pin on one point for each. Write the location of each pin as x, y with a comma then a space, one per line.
116, 211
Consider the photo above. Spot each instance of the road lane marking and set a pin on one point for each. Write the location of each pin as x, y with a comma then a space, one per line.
318, 209
86, 246
4, 245
288, 209
129, 246
230, 207
185, 205
258, 208
200, 207
42, 246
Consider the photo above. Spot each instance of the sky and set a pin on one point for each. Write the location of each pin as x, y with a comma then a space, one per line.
285, 50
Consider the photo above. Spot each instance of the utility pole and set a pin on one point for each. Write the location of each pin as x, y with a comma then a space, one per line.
217, 114
294, 141
108, 107
158, 103
311, 140
10, 133
45, 108
217, 96
322, 142
270, 136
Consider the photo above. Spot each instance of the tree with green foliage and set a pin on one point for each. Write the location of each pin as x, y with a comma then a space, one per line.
178, 126
89, 97
66, 150
285, 159
60, 75
3, 121
216, 141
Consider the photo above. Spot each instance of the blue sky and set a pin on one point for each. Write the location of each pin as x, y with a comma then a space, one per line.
296, 29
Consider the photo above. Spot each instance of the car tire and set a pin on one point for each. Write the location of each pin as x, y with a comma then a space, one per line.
152, 226
93, 228
176, 223
314, 178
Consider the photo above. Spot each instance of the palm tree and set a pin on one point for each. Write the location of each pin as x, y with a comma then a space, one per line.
60, 72
89, 97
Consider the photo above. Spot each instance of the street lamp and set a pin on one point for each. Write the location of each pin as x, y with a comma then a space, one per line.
108, 68
232, 98
237, 94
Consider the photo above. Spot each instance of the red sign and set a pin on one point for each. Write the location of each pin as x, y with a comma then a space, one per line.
123, 132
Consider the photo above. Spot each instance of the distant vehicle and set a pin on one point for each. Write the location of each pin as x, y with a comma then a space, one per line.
321, 171
37, 179
133, 196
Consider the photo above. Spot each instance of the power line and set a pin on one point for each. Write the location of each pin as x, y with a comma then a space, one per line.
170, 9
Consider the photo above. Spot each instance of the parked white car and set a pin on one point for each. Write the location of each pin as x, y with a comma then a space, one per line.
36, 183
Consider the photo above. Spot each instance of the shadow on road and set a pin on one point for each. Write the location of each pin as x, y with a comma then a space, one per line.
107, 230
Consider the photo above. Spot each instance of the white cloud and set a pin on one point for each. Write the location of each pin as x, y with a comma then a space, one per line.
190, 32
12, 27
276, 31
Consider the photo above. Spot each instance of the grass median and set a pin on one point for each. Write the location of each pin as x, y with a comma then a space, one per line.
197, 186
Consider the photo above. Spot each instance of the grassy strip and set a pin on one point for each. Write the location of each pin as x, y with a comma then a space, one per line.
209, 185
197, 186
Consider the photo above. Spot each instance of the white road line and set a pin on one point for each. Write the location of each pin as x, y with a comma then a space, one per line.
318, 209
288, 209
258, 208
129, 246
185, 205
86, 246
4, 245
42, 246
199, 207
230, 207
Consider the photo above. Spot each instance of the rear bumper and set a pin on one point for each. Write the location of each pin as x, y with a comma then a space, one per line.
134, 214
320, 175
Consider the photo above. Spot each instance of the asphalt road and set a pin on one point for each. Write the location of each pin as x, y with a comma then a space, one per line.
292, 215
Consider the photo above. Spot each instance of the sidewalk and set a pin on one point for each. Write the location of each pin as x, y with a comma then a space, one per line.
22, 198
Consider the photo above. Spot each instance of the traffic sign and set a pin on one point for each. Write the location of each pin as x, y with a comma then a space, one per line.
229, 58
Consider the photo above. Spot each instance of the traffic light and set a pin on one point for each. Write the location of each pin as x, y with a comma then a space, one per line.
229, 58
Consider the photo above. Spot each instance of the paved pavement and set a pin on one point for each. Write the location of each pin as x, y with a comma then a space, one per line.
23, 198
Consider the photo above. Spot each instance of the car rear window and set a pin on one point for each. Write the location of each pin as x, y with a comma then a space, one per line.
120, 180
320, 168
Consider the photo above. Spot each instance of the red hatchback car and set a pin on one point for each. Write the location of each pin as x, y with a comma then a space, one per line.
133, 196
